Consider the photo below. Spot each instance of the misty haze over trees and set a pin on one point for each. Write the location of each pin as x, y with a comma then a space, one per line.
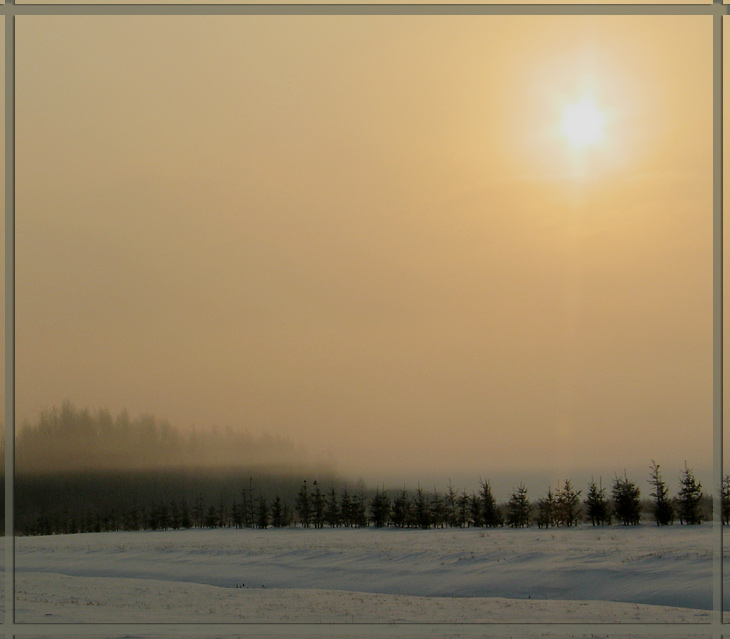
71, 439
83, 472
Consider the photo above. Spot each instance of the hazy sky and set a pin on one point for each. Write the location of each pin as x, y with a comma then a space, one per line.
374, 235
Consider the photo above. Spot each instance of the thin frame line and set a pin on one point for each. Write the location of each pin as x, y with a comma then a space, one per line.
10, 10
9, 578
717, 295
365, 9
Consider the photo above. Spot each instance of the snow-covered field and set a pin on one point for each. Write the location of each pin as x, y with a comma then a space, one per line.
610, 574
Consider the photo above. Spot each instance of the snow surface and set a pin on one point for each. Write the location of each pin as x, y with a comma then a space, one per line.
644, 574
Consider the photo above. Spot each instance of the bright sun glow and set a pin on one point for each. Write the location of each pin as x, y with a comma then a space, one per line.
583, 123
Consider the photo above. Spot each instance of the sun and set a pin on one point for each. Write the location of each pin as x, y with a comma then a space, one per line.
583, 123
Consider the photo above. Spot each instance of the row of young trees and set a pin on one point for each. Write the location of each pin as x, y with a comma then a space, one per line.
312, 507
561, 507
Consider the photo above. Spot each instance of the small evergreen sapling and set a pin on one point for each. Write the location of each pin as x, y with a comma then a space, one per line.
303, 506
462, 510
400, 516
546, 510
663, 509
451, 506
277, 512
626, 498
347, 509
438, 509
318, 506
380, 508
421, 509
332, 509
518, 508
598, 509
262, 513
689, 498
476, 517
490, 510
567, 505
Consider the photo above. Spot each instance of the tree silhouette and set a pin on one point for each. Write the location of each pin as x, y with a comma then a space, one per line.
400, 515
303, 506
277, 512
318, 506
689, 498
490, 510
380, 508
598, 509
567, 504
518, 508
627, 500
421, 509
663, 509
546, 510
332, 509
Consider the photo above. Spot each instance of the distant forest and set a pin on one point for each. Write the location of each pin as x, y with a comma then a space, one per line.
72, 440
83, 472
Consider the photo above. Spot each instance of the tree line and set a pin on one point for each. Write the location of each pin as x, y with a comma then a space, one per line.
314, 506
72, 439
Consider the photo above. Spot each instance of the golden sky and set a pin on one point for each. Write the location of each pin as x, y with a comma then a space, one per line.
374, 234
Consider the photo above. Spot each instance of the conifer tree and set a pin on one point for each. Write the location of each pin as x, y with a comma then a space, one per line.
450, 507
380, 508
199, 511
598, 509
438, 510
245, 510
421, 509
186, 518
726, 500
332, 509
567, 504
546, 510
287, 516
462, 510
236, 515
360, 513
164, 516
303, 505
251, 503
211, 517
476, 515
277, 512
518, 508
318, 506
248, 505
626, 499
223, 520
663, 509
490, 510
347, 509
152, 520
689, 498
400, 514
175, 516
262, 513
